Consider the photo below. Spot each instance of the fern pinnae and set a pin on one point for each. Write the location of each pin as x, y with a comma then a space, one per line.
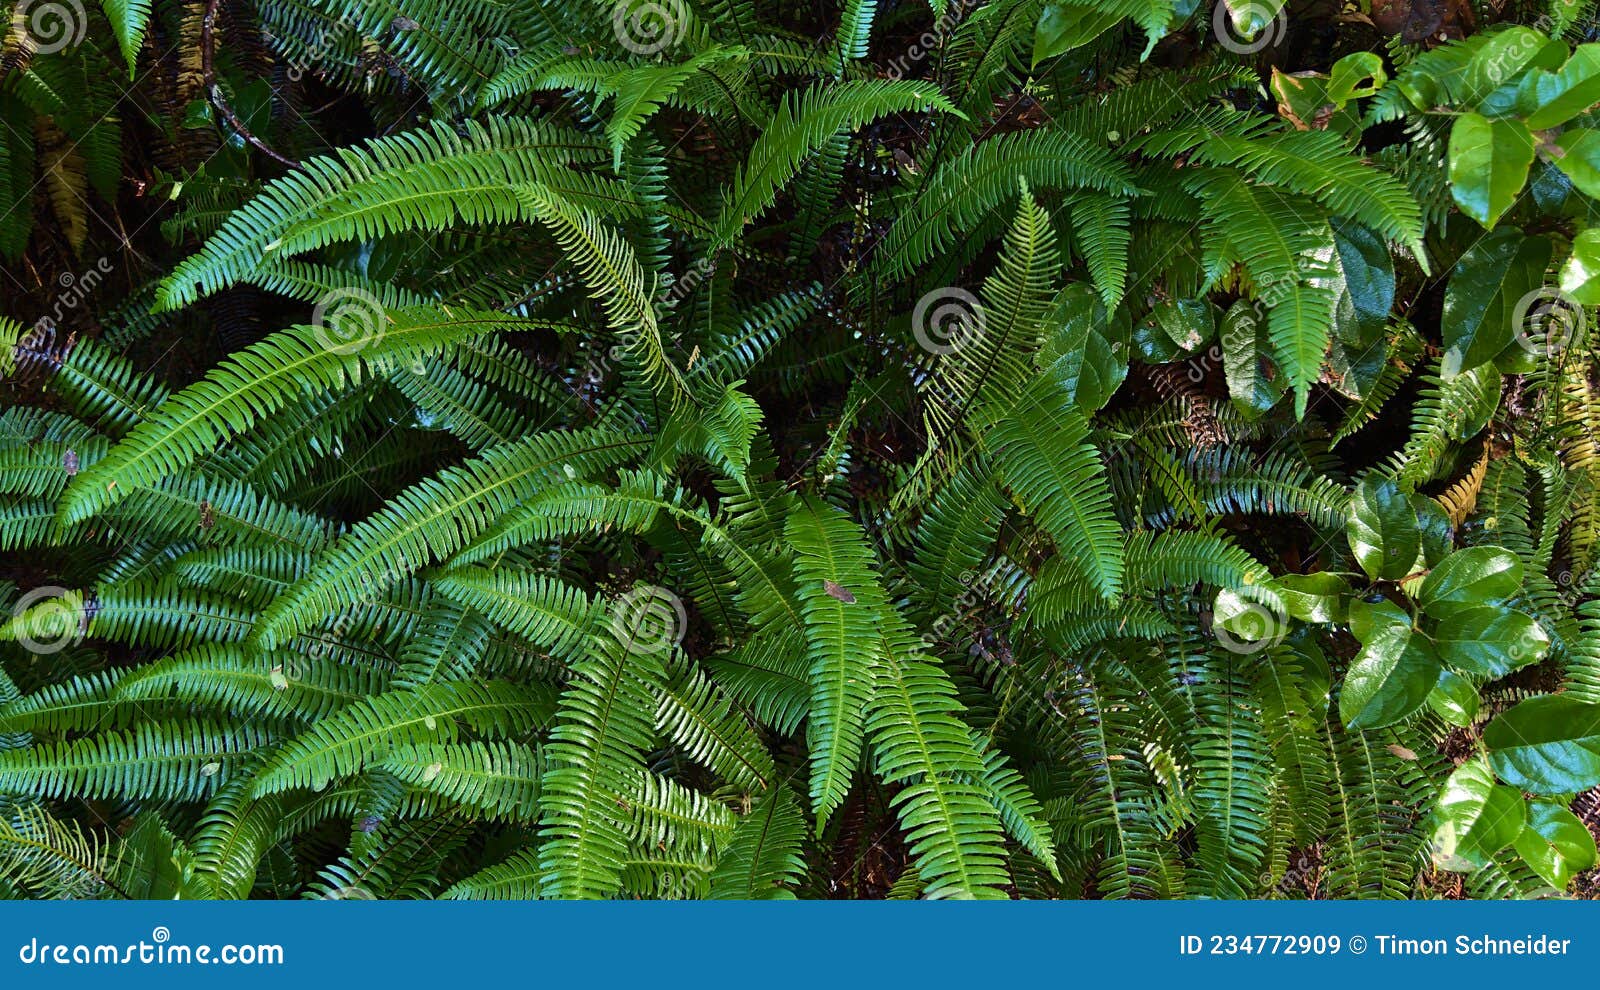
831, 562
433, 520
596, 753
365, 732
249, 387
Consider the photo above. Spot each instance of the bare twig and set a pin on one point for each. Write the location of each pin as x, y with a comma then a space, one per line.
208, 70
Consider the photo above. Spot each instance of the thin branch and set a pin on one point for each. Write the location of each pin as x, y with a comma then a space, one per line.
208, 69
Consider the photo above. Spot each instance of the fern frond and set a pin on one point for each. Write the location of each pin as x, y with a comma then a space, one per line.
1041, 448
251, 386
369, 730
803, 123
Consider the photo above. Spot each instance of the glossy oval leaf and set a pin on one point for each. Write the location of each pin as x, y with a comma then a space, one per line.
1382, 529
1468, 578
1475, 818
1580, 276
1556, 844
1394, 672
1580, 159
1490, 641
1481, 299
1088, 350
1489, 162
1433, 525
1454, 699
1254, 384
1547, 745
1063, 27
1548, 99
1315, 597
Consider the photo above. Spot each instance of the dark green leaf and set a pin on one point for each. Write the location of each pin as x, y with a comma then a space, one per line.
1089, 351
1454, 699
1548, 99
1547, 745
1382, 529
1470, 577
1580, 277
1253, 384
1315, 597
1484, 290
1476, 818
1490, 641
1580, 159
1489, 162
1391, 677
1556, 844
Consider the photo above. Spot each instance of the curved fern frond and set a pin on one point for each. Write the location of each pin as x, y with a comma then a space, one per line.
1041, 448
421, 180
433, 519
368, 731
251, 386
802, 124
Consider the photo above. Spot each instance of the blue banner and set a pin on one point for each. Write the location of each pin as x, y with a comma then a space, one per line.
787, 945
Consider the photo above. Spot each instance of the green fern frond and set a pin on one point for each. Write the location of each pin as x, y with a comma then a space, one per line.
802, 124
249, 387
1041, 448
763, 858
176, 760
602, 730
839, 601
368, 731
435, 518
